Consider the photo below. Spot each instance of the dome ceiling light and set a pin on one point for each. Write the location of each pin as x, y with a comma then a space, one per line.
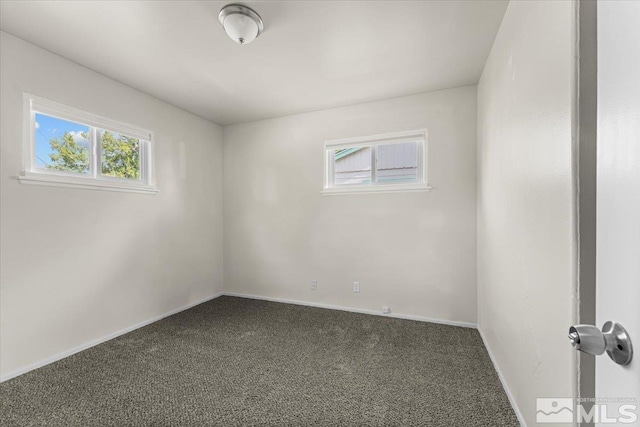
241, 23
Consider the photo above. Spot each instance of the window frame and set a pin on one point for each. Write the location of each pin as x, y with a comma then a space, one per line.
418, 136
31, 174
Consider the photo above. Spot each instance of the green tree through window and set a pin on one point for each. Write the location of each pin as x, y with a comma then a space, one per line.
67, 155
120, 155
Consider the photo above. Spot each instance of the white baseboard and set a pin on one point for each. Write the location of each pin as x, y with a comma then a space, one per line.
512, 400
100, 340
354, 310
95, 342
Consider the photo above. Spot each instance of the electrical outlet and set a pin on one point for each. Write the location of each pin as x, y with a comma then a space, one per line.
356, 286
386, 309
314, 285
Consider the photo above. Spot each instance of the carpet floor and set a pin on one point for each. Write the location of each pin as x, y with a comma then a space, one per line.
237, 362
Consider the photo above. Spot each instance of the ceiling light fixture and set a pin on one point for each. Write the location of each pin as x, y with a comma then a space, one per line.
241, 23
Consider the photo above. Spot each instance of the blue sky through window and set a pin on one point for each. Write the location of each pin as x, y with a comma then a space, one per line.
48, 128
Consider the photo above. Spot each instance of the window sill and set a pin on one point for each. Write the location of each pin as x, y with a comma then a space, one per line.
341, 191
85, 183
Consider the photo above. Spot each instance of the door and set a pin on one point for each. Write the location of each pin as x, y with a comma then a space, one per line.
618, 193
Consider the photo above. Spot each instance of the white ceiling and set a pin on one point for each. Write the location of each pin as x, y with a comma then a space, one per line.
312, 54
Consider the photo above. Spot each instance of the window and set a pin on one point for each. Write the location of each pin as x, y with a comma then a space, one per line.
379, 163
69, 147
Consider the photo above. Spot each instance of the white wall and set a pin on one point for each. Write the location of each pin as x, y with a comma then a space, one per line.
77, 265
415, 252
526, 229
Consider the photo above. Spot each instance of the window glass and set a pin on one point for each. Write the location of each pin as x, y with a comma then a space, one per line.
377, 163
397, 162
119, 155
61, 145
70, 147
352, 166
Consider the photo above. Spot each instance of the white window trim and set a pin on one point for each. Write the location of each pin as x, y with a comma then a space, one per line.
418, 135
95, 180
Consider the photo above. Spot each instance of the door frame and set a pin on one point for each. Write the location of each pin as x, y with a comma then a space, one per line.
585, 155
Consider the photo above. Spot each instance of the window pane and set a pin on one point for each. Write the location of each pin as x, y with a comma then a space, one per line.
397, 162
120, 155
352, 166
61, 145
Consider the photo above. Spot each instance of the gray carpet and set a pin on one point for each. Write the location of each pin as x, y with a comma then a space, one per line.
233, 361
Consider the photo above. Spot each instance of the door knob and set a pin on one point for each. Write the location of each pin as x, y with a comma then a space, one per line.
613, 339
